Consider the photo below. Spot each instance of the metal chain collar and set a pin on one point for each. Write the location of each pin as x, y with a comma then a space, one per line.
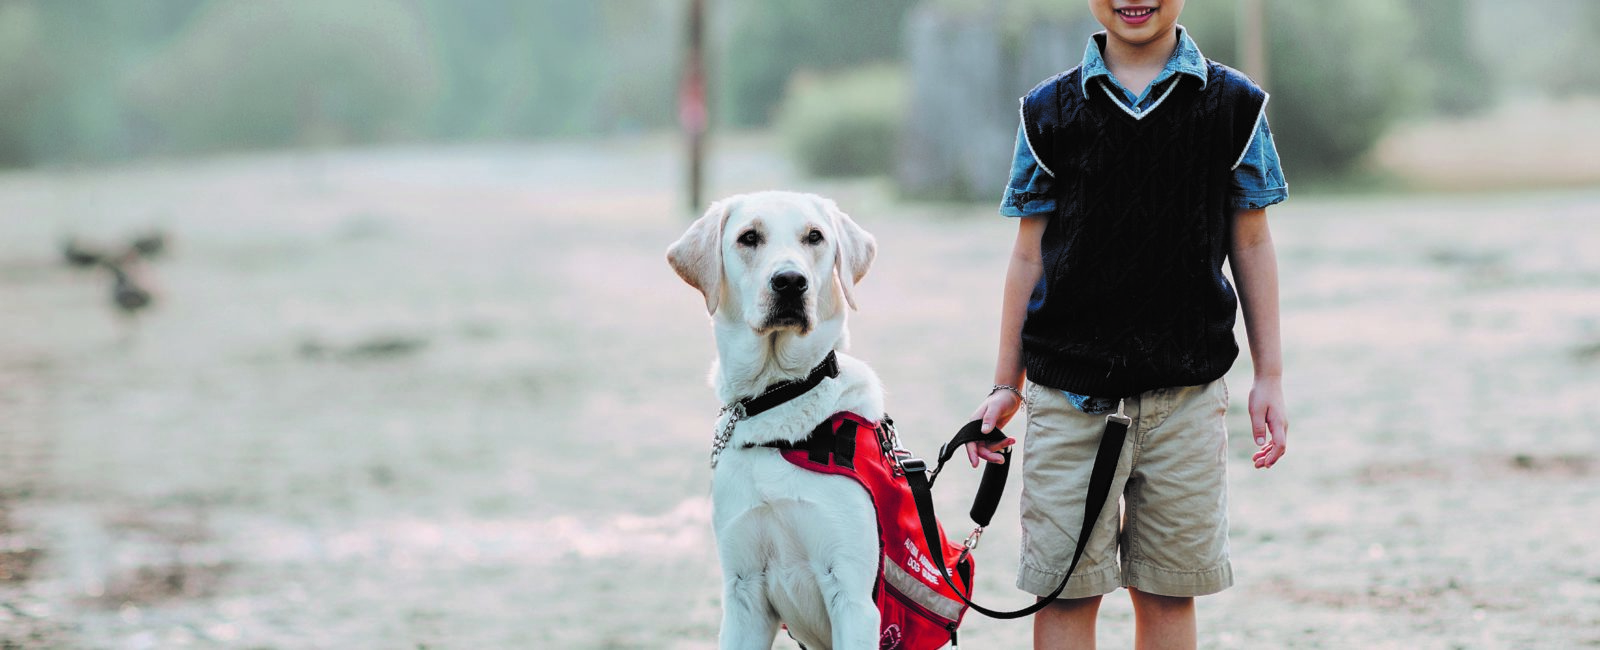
742, 408
737, 408
735, 412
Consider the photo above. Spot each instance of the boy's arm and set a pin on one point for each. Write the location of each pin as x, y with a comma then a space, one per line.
1255, 273
1022, 275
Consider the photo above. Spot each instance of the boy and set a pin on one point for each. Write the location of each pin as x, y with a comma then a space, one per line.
1137, 174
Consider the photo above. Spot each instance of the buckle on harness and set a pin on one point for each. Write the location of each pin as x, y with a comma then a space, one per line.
1119, 417
913, 464
889, 446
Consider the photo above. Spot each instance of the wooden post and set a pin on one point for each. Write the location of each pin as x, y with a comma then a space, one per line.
1253, 40
692, 111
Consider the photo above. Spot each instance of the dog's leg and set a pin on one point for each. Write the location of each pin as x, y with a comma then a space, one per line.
748, 621
844, 555
847, 591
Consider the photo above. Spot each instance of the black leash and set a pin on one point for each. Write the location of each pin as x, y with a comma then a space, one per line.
993, 485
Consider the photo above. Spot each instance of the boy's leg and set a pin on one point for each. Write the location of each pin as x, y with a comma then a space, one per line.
1058, 455
1176, 526
1066, 623
1162, 622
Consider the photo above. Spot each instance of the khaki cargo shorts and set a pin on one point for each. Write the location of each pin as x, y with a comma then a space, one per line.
1172, 530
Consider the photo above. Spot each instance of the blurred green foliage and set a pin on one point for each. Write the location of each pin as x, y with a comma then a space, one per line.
535, 68
1578, 51
95, 80
1340, 73
1456, 80
62, 64
1339, 78
22, 85
259, 74
845, 123
1014, 14
1551, 49
771, 39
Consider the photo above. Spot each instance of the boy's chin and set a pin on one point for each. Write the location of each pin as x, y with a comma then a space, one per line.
1139, 35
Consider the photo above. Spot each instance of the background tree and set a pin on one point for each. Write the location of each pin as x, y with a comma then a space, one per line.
296, 71
1340, 74
768, 40
1458, 81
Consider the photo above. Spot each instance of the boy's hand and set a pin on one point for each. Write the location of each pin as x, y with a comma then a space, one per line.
1269, 421
995, 411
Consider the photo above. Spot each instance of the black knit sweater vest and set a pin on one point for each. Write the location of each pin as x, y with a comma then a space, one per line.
1132, 296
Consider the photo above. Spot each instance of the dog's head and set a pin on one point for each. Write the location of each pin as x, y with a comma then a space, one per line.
775, 260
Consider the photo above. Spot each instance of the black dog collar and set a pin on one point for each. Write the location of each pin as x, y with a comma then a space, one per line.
783, 391
769, 399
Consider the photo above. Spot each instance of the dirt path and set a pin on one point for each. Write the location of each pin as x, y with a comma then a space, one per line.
455, 398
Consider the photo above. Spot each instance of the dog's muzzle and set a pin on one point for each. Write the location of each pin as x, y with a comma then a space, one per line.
788, 306
788, 285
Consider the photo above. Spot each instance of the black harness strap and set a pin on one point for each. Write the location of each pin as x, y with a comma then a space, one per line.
1105, 468
844, 445
819, 443
822, 442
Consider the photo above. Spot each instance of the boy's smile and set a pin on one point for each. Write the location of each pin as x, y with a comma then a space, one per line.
1137, 22
1136, 15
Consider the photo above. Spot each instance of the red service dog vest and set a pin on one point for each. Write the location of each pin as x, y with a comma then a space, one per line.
919, 611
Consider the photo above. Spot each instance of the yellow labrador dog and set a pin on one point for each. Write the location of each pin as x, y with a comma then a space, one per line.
796, 547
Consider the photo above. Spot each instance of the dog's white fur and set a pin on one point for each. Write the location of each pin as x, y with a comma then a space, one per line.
795, 546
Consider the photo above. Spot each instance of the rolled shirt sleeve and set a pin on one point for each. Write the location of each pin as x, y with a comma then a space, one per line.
1258, 180
1029, 191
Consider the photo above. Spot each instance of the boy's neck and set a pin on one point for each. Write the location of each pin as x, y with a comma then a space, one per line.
1135, 60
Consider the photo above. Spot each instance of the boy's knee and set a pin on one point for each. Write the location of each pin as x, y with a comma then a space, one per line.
1158, 601
1073, 605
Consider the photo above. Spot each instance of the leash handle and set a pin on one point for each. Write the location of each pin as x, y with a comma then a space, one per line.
993, 484
1100, 477
990, 489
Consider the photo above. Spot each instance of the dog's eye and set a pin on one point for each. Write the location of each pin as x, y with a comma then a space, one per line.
750, 238
814, 237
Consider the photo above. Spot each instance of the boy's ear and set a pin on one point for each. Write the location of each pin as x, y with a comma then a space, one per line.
697, 255
854, 250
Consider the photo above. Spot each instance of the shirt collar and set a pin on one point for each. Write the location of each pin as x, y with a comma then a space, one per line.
1186, 59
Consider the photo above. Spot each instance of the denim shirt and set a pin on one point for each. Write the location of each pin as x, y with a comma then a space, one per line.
1257, 180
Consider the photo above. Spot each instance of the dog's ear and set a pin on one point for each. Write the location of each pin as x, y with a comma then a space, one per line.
854, 250
697, 255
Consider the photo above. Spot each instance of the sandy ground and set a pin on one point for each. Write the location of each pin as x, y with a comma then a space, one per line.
1524, 142
455, 398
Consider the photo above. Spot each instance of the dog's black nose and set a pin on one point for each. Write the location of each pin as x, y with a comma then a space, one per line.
789, 283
